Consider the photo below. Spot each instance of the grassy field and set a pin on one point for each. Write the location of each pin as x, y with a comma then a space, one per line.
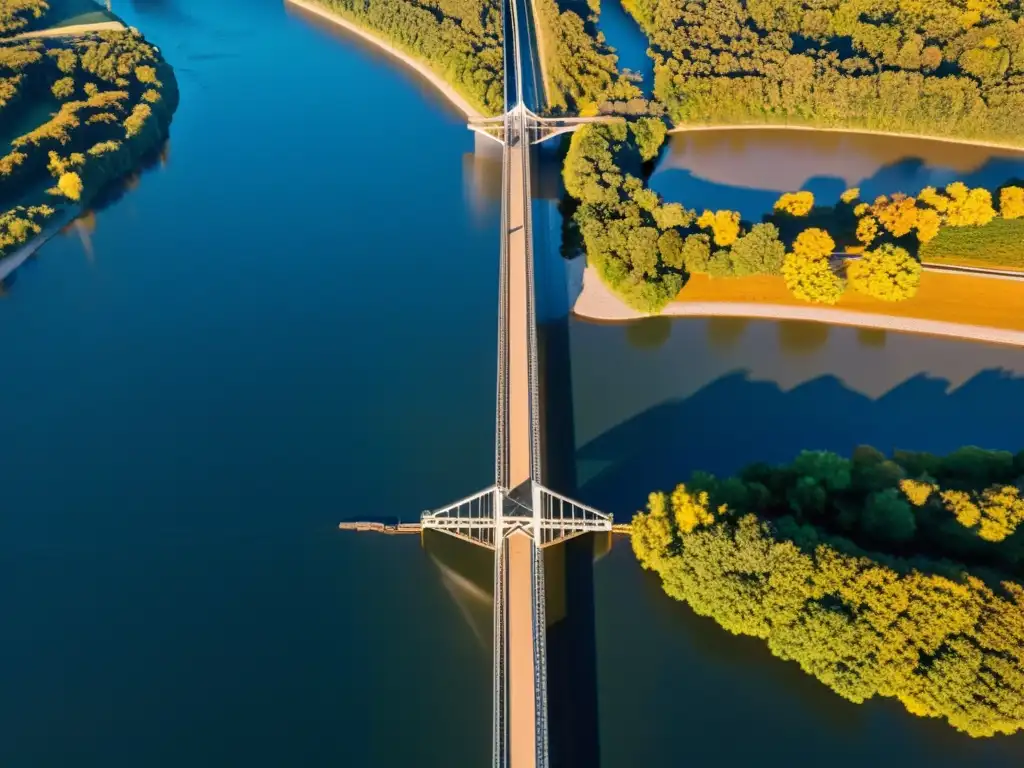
999, 243
949, 298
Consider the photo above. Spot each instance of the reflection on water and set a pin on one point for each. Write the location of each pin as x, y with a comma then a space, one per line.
798, 338
650, 332
724, 332
745, 170
718, 394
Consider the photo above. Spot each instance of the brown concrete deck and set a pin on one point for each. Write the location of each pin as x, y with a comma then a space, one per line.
518, 447
520, 686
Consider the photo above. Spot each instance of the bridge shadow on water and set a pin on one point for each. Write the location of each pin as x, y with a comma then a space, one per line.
728, 423
734, 421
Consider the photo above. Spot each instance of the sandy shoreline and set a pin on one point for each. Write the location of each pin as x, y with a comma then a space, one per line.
415, 64
863, 131
12, 261
74, 29
597, 302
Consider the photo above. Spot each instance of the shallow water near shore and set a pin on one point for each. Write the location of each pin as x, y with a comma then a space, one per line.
290, 320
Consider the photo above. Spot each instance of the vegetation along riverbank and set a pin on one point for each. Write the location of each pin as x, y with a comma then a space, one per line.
78, 111
935, 69
882, 576
457, 47
943, 71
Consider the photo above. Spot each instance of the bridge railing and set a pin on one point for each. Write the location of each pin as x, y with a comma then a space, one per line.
499, 740
540, 670
475, 518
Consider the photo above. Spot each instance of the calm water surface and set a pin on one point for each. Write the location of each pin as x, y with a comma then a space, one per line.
289, 321
746, 170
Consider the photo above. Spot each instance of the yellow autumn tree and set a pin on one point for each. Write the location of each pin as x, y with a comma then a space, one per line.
1011, 202
70, 185
928, 223
969, 207
917, 491
860, 209
691, 510
867, 230
897, 215
995, 512
810, 277
930, 196
651, 532
850, 195
795, 203
814, 243
887, 273
725, 226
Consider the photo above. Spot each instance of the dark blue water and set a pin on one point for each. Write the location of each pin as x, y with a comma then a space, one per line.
629, 42
291, 321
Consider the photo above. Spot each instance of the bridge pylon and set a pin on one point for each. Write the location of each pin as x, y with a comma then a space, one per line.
539, 128
488, 517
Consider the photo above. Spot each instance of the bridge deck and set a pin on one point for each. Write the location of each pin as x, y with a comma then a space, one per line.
521, 682
519, 425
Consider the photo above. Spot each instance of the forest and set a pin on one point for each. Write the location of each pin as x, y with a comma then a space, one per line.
459, 39
644, 248
15, 15
881, 576
631, 236
943, 68
107, 99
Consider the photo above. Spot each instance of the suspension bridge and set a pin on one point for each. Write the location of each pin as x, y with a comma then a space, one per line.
517, 516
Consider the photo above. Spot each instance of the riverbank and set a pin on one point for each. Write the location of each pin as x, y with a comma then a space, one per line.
107, 154
11, 262
861, 131
71, 31
598, 302
422, 69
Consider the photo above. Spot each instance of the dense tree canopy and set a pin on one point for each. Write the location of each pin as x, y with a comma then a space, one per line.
15, 15
631, 237
947, 67
460, 39
856, 571
887, 273
116, 97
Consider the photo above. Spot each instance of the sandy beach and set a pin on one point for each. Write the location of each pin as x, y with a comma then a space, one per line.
597, 302
413, 63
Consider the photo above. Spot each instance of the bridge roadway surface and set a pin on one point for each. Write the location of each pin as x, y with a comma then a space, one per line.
525, 720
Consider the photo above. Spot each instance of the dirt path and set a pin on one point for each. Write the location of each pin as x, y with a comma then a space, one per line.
597, 302
421, 68
72, 31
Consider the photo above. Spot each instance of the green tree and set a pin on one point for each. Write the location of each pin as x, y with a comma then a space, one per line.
650, 135
758, 252
670, 247
888, 516
696, 253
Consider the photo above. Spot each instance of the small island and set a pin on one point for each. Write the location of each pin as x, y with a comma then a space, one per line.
941, 73
83, 99
882, 576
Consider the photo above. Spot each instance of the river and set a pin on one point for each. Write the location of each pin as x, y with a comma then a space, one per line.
290, 320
